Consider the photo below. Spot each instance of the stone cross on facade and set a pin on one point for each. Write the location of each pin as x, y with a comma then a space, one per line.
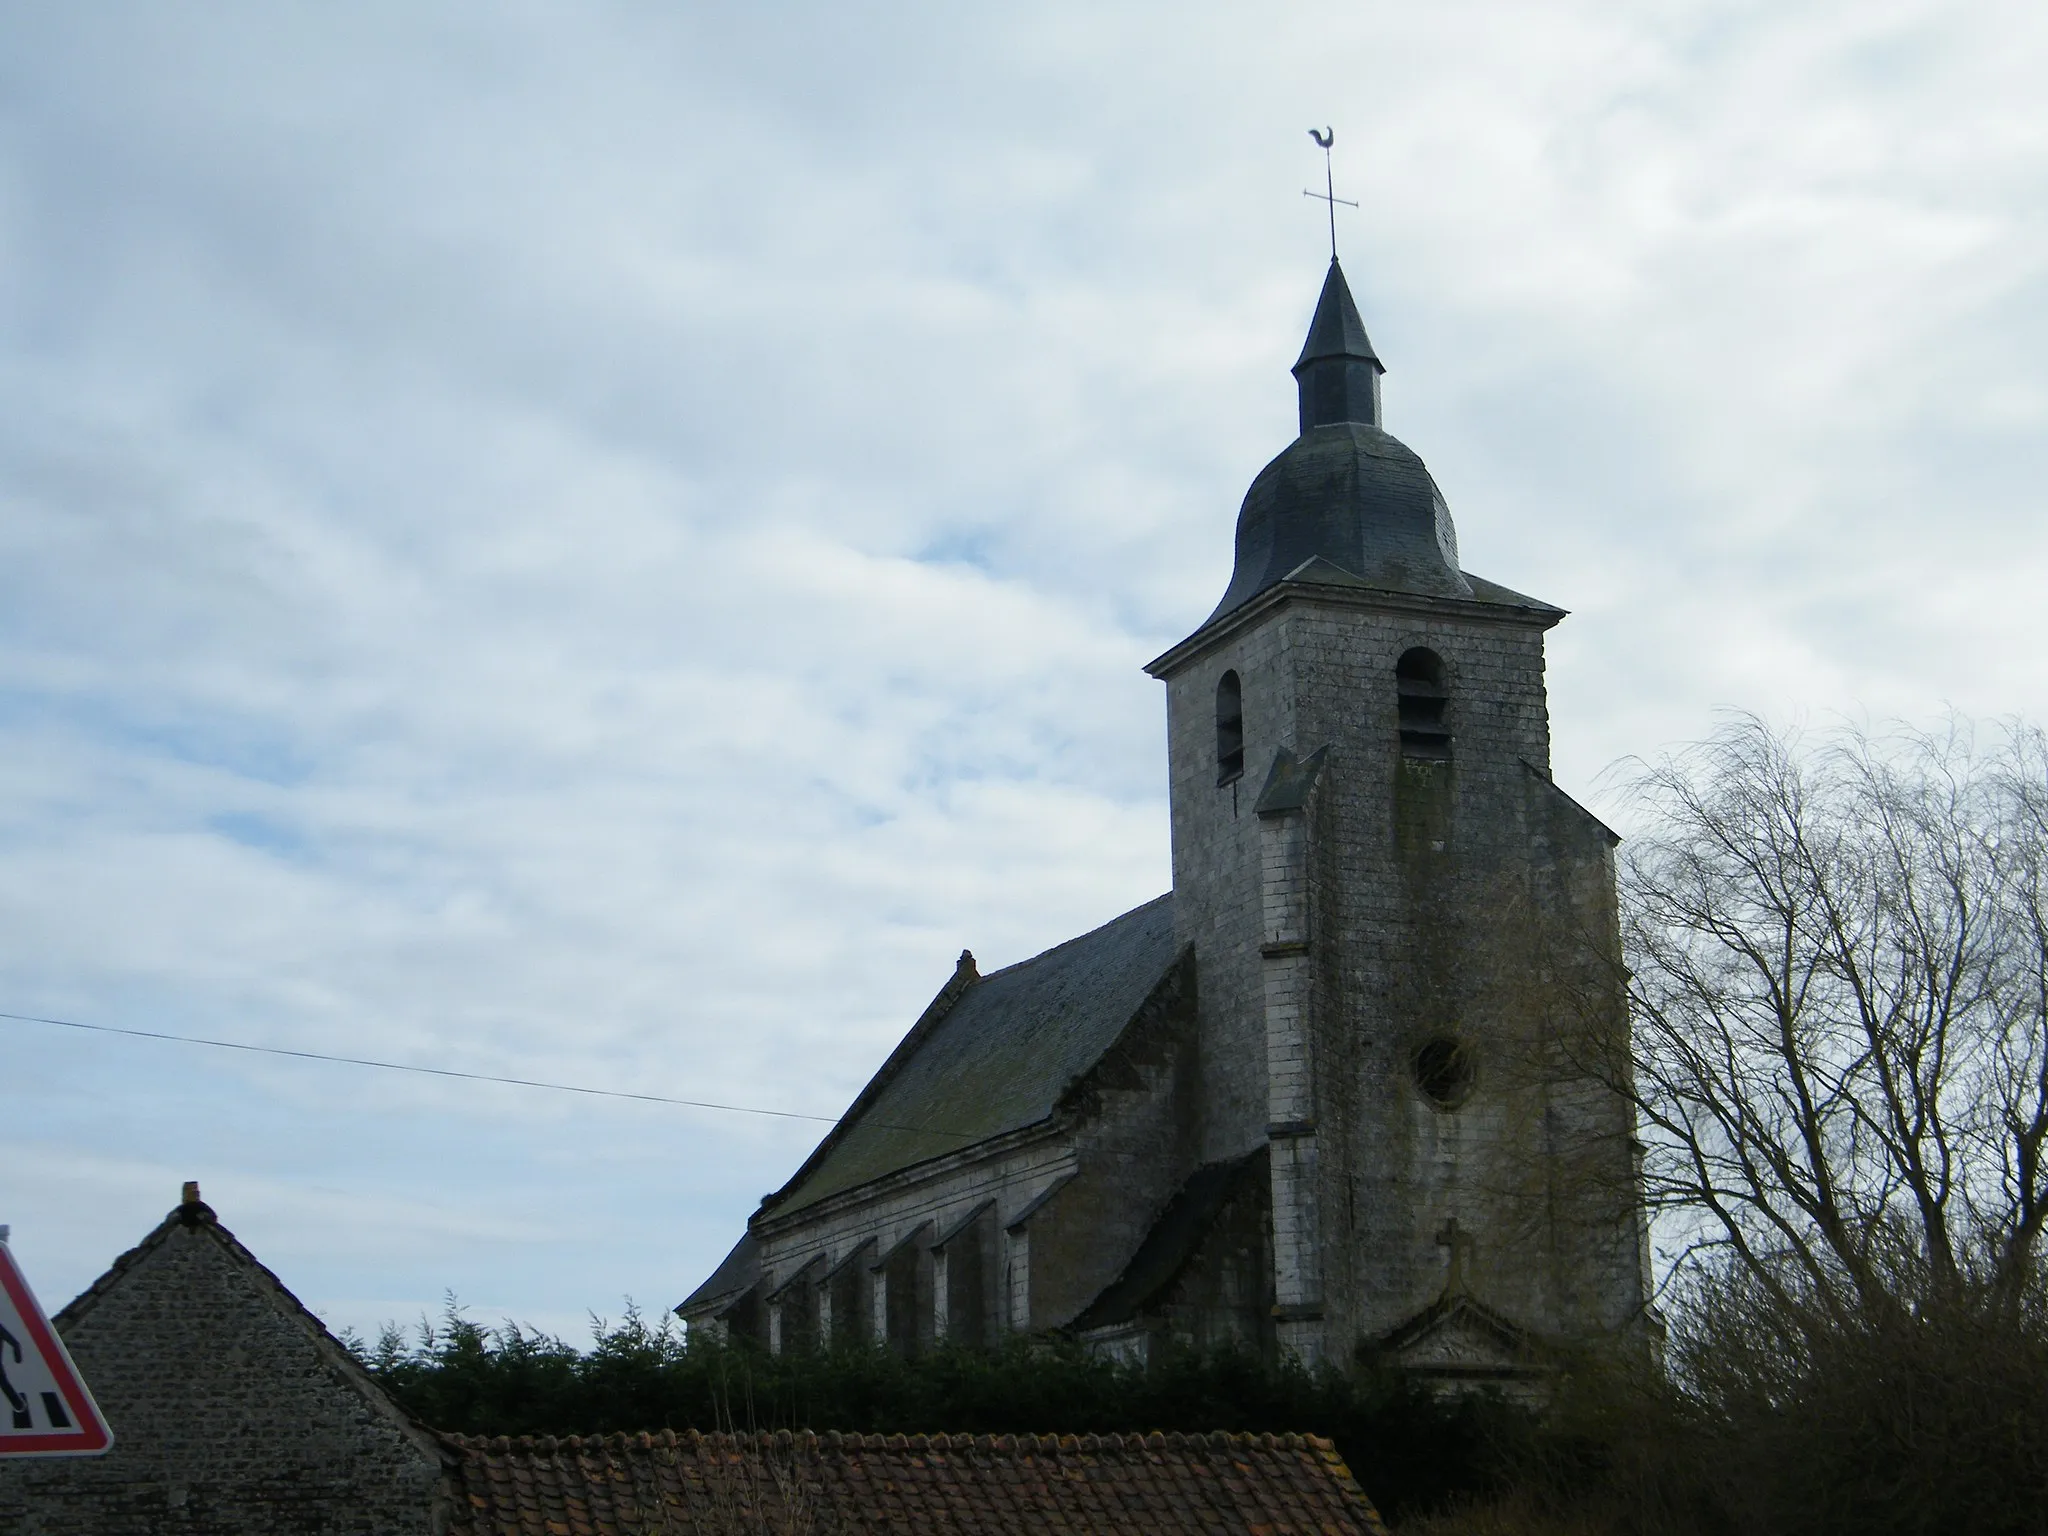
1461, 1244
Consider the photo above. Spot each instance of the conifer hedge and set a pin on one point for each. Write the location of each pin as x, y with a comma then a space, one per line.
1409, 1450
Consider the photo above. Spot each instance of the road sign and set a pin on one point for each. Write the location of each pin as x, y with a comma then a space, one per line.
44, 1407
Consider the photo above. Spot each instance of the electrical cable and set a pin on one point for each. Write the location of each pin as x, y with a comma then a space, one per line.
475, 1077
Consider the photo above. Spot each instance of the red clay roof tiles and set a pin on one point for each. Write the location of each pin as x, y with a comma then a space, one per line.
692, 1484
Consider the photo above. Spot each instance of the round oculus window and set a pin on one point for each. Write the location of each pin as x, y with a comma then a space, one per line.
1444, 1072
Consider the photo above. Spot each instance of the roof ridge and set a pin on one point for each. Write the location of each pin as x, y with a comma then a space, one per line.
1154, 1482
84, 1301
884, 1440
1046, 954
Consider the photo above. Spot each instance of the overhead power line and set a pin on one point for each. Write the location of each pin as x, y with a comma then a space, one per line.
474, 1077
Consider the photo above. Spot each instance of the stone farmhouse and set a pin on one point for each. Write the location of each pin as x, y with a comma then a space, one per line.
1340, 1089
234, 1411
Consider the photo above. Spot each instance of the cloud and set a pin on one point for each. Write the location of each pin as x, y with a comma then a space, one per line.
608, 546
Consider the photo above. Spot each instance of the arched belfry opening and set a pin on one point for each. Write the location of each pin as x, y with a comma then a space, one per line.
1422, 689
1229, 729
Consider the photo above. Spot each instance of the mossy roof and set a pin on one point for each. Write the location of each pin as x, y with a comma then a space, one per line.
996, 1059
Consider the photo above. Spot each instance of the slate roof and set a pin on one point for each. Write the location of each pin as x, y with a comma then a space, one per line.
996, 1057
1347, 503
1352, 505
1356, 496
1336, 330
946, 1485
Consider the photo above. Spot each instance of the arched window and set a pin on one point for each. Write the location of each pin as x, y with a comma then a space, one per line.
1424, 696
1229, 729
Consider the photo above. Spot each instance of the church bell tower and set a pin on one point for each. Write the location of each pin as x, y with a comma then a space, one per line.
1401, 927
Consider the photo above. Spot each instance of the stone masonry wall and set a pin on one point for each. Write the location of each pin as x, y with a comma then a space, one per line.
922, 1202
1443, 907
230, 1418
1224, 1298
1135, 1148
1443, 895
1216, 858
1600, 1217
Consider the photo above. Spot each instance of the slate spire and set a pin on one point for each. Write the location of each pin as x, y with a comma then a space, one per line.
1338, 373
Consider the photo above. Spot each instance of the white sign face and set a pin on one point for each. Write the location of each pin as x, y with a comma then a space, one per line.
44, 1407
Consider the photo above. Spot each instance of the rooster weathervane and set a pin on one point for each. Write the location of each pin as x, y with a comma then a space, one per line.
1324, 138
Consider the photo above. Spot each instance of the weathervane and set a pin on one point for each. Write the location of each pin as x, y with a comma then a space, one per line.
1326, 137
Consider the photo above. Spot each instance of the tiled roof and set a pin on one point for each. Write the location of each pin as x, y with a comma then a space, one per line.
692, 1484
996, 1056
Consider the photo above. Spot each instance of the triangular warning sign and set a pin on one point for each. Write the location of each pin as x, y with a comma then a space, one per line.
44, 1407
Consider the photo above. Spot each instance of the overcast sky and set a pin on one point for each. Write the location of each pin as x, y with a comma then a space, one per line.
606, 543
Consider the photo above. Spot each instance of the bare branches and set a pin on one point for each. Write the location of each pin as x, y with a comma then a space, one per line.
1839, 981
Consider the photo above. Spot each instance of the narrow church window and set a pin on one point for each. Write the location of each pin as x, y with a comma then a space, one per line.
1424, 696
1229, 729
1444, 1073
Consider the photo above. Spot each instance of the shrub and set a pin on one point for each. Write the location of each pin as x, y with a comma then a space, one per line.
1409, 1450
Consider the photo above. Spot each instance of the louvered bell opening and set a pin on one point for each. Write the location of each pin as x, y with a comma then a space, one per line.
1424, 699
1229, 729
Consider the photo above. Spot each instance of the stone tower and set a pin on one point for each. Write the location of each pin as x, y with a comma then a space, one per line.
1401, 927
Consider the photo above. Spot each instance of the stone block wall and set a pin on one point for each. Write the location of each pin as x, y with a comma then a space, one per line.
1424, 874
233, 1414
1224, 1298
1128, 1165
1216, 857
1445, 900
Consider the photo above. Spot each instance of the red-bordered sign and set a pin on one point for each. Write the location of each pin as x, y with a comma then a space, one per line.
45, 1409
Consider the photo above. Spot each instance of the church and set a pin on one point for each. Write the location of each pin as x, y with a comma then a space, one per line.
1341, 1094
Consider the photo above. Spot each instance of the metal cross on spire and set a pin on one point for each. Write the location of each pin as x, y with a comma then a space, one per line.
1326, 137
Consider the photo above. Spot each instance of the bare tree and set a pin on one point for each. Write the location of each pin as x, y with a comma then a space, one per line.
1838, 975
